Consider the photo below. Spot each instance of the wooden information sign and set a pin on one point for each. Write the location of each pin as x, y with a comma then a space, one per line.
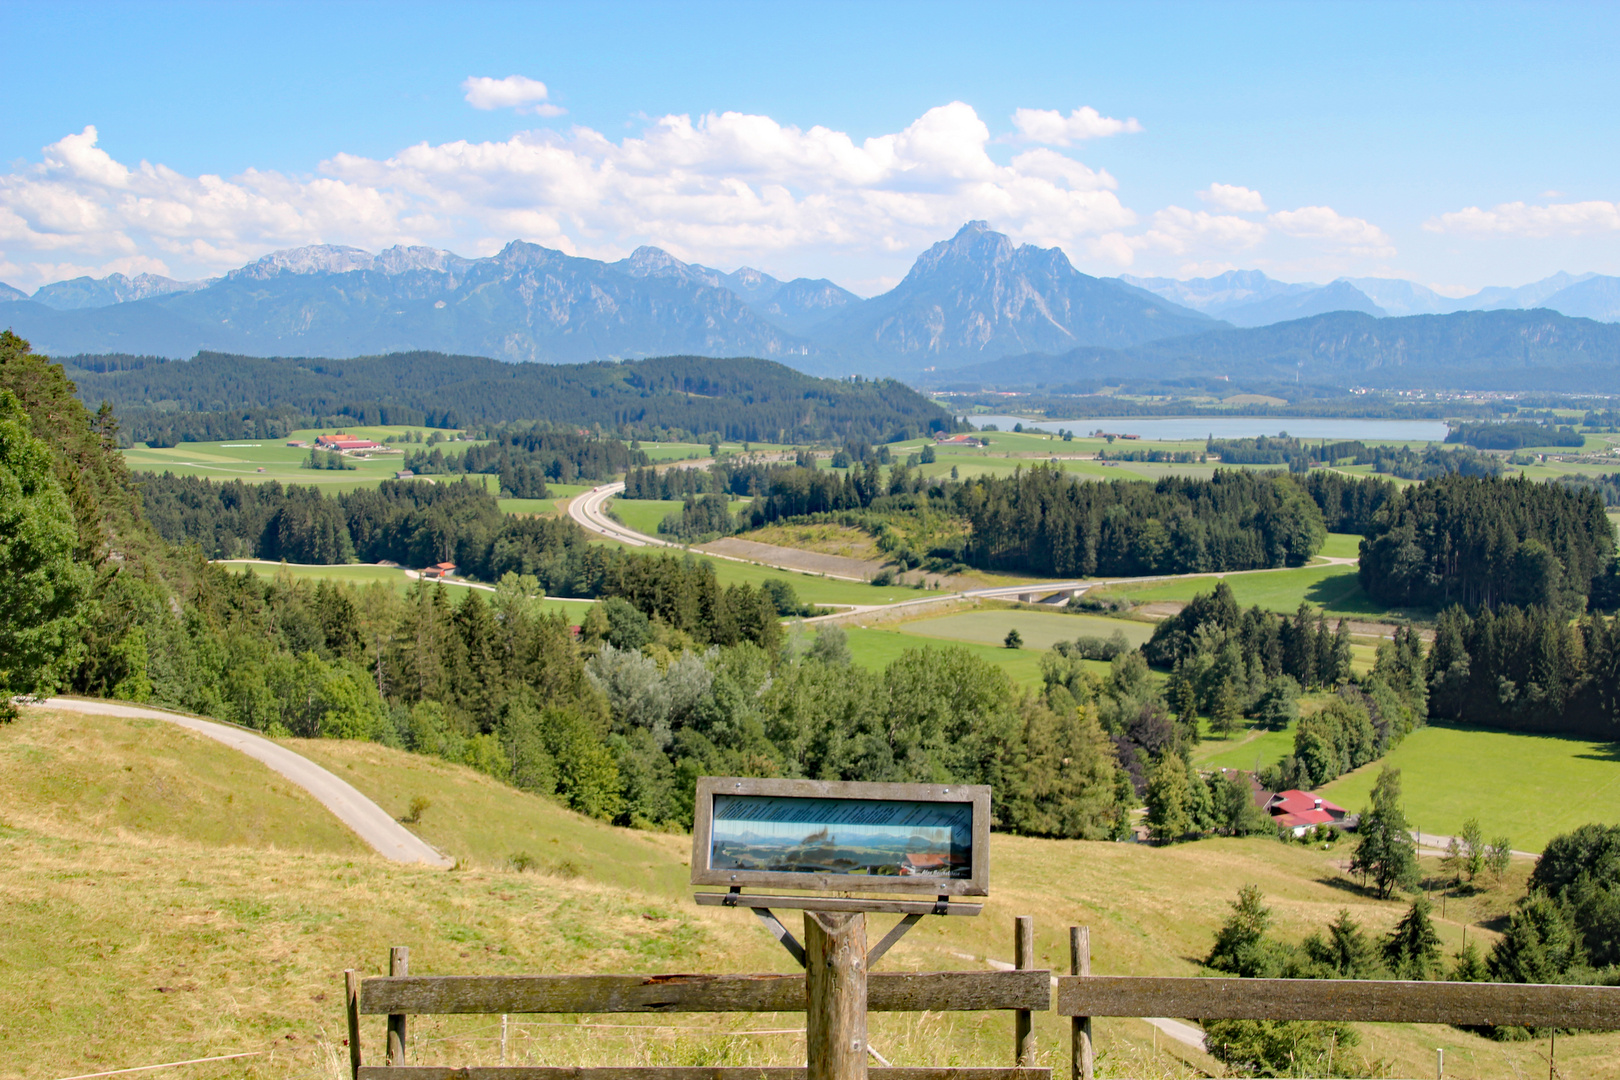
839, 837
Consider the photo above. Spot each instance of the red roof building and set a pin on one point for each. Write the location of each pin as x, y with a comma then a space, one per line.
341, 441
1301, 810
439, 570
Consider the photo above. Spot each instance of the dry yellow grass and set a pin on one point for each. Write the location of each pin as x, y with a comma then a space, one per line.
134, 940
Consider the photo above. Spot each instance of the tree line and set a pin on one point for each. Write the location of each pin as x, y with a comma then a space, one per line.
525, 457
1514, 435
677, 397
1480, 542
1527, 669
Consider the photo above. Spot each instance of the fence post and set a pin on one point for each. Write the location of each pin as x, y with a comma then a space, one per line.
1083, 1060
351, 1005
1023, 1022
399, 963
835, 995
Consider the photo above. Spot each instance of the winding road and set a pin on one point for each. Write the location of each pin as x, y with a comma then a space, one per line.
589, 509
369, 821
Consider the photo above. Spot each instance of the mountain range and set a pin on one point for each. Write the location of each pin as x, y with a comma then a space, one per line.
1504, 349
974, 303
973, 297
1250, 298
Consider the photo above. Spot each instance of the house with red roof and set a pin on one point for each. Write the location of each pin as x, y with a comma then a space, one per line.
342, 443
1298, 811
439, 570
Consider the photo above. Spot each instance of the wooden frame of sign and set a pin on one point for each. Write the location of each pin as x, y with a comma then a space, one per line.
842, 837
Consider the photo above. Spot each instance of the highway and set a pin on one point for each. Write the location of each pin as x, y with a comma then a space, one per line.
589, 510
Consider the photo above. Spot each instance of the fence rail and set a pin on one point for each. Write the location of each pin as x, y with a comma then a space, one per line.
1341, 999
927, 991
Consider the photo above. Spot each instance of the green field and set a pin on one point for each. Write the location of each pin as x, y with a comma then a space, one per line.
1529, 787
1335, 590
362, 574
812, 588
1342, 546
644, 515
1039, 629
877, 648
553, 505
1248, 750
258, 460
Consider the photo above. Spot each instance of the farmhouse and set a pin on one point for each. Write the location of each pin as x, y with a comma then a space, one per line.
1298, 811
343, 443
439, 570
955, 440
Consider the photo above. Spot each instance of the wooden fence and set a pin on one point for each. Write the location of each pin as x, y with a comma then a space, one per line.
1080, 996
399, 995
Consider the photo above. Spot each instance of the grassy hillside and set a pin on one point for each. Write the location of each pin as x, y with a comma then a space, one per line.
159, 942
114, 776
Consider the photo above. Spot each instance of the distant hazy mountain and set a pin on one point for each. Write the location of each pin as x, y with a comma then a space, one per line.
8, 294
1215, 295
1532, 295
793, 306
976, 296
1597, 297
1400, 297
1493, 350
799, 304
1339, 296
85, 292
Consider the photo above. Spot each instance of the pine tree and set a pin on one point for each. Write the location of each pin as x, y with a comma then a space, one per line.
1346, 953
1228, 713
1539, 945
1412, 949
1167, 799
1241, 947
1467, 965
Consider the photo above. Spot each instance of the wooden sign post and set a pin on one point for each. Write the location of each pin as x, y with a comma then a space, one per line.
835, 994
843, 838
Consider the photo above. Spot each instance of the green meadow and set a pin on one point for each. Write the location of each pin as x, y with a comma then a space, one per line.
363, 574
644, 515
1039, 630
258, 460
1334, 590
1527, 787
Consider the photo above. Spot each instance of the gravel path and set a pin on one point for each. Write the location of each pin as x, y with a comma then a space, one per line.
390, 839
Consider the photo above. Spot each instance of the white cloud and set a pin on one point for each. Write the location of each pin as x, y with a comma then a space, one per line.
1520, 219
1051, 126
1179, 231
1233, 199
721, 188
1327, 225
513, 92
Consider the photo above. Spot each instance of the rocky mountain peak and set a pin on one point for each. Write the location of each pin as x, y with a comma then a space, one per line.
313, 259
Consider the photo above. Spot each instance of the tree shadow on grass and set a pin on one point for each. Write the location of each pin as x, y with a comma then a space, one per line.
1349, 885
1608, 753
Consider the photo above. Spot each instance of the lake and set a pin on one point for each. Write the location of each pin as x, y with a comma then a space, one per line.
1234, 427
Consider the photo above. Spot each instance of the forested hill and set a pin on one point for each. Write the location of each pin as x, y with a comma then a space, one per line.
1501, 350
221, 396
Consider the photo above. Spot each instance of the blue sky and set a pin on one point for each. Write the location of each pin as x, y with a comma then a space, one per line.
1456, 145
